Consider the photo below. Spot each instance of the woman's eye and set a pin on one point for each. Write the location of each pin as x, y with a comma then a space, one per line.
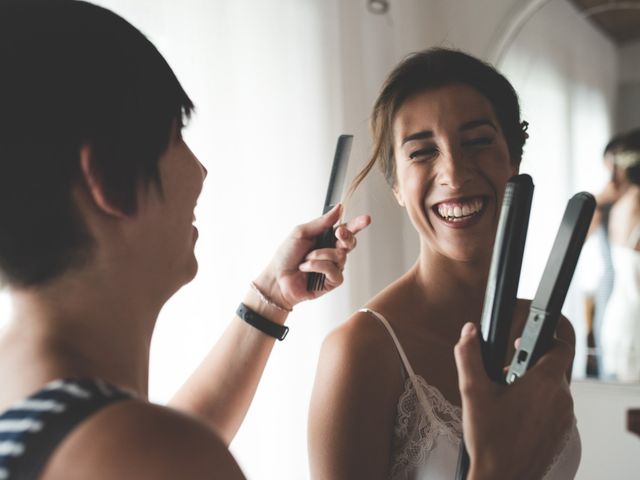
478, 142
422, 153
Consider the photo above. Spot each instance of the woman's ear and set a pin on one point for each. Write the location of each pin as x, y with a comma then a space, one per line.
94, 185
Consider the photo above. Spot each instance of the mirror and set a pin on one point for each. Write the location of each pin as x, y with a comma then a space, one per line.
578, 87
576, 67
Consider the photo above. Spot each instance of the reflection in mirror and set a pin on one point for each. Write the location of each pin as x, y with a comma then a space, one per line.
576, 67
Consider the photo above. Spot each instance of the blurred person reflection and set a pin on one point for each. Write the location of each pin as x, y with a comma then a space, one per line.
621, 319
600, 289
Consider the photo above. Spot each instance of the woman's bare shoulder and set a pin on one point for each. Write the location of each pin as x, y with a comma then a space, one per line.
361, 349
358, 336
364, 332
136, 439
359, 377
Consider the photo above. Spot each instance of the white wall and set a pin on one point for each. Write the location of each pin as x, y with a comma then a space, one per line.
609, 451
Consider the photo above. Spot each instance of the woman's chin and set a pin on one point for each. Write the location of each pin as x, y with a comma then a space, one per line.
466, 252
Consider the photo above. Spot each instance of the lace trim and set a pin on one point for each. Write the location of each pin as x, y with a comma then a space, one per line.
417, 428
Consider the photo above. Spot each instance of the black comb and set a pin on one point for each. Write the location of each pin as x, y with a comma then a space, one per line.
327, 239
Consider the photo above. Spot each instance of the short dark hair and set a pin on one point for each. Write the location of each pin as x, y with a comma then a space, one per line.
433, 68
74, 74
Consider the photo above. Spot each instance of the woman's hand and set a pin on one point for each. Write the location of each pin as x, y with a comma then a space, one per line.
610, 193
513, 431
285, 279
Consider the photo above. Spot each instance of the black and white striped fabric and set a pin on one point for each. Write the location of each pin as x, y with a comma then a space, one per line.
31, 429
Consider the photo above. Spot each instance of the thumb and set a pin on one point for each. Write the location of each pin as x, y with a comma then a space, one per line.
471, 373
320, 224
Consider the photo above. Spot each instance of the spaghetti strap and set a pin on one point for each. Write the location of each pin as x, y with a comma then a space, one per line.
420, 394
403, 356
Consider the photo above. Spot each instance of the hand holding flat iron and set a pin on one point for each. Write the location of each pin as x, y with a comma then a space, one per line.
514, 431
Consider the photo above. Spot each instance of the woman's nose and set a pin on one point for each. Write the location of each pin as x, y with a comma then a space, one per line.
453, 170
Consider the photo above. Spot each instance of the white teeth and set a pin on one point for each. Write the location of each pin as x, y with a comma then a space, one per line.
459, 211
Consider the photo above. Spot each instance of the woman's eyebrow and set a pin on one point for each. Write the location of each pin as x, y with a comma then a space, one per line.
426, 134
421, 135
477, 123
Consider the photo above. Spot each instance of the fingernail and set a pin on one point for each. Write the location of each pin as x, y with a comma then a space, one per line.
468, 329
304, 266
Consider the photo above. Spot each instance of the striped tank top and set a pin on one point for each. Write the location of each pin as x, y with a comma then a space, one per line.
31, 429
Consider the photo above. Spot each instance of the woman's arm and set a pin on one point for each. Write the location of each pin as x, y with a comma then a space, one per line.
222, 387
354, 401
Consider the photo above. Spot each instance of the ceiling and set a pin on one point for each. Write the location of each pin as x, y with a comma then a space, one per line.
618, 19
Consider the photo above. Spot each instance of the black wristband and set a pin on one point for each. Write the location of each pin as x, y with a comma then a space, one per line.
263, 324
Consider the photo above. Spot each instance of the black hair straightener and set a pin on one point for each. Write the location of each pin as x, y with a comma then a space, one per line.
502, 284
552, 291
546, 305
327, 239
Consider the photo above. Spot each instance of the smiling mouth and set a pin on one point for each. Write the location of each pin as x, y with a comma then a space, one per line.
460, 210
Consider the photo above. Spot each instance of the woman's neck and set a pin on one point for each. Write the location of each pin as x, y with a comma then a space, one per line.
457, 286
71, 330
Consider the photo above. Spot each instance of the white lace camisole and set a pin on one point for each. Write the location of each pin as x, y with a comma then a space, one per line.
621, 322
428, 430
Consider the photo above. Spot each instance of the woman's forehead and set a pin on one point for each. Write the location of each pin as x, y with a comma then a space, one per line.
449, 106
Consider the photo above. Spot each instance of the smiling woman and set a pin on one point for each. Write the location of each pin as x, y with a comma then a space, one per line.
448, 135
458, 161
